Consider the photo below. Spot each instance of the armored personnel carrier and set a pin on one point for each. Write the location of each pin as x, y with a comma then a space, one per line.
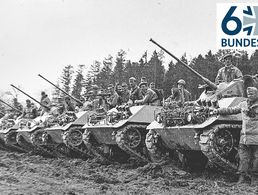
120, 133
8, 129
8, 134
29, 134
197, 135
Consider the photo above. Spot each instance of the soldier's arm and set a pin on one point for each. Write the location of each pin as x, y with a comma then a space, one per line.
229, 111
144, 100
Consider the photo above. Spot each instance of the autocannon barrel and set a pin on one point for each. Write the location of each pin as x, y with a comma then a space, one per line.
10, 106
207, 81
61, 89
30, 97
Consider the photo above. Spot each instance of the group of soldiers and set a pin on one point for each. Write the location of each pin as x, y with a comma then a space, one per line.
147, 94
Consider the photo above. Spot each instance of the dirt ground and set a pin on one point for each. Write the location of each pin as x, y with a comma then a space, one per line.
30, 174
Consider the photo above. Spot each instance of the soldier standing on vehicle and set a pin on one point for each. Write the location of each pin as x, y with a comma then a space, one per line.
229, 72
150, 97
135, 92
248, 144
46, 102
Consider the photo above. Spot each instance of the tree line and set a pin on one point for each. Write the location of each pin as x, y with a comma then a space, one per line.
119, 69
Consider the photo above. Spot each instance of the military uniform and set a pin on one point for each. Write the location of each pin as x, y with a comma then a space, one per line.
228, 74
150, 98
125, 95
30, 112
248, 144
113, 100
46, 102
179, 95
135, 94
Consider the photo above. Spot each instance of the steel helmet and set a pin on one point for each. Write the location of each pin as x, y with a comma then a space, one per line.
181, 81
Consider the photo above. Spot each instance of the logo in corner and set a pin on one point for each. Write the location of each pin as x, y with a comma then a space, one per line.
237, 26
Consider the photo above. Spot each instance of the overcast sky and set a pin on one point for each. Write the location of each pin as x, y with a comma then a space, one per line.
42, 36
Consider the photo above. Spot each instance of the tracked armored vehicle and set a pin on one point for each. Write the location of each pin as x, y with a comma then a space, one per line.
197, 135
8, 134
119, 134
64, 136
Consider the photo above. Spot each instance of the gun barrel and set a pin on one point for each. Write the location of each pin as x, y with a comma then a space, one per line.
30, 96
10, 106
211, 84
60, 89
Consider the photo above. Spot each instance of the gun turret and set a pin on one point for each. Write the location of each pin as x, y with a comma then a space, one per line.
207, 81
11, 106
30, 97
61, 89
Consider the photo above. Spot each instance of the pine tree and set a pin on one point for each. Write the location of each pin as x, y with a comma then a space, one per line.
78, 82
119, 67
66, 78
105, 74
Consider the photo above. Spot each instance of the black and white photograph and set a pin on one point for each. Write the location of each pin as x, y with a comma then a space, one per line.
127, 97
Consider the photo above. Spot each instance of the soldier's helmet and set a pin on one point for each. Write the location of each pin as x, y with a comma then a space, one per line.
182, 82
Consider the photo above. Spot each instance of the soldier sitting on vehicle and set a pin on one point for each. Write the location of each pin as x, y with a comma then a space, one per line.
125, 93
150, 97
135, 93
114, 98
68, 105
17, 105
229, 72
159, 92
179, 94
29, 111
248, 144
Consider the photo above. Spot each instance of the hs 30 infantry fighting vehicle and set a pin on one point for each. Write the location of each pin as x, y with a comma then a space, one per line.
196, 134
119, 134
8, 129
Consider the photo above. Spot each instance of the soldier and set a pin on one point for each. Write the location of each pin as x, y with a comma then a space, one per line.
46, 102
152, 85
229, 72
248, 144
17, 104
184, 94
30, 110
150, 97
135, 93
125, 93
113, 100
159, 92
175, 95
68, 105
